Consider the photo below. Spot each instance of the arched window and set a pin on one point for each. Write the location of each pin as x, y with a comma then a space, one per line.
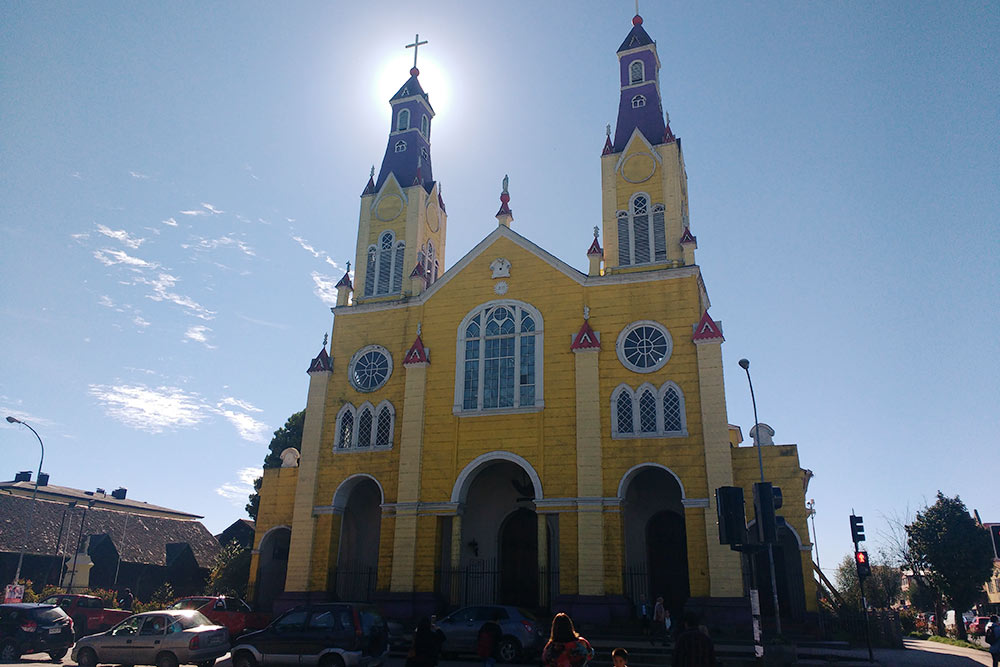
383, 429
621, 411
345, 427
636, 72
499, 358
365, 426
400, 146
403, 120
638, 101
424, 154
647, 411
674, 421
641, 241
384, 271
425, 126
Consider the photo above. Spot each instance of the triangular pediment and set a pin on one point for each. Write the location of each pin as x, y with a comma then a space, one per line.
390, 186
637, 143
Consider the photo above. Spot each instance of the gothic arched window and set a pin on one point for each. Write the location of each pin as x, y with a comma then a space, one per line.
674, 421
403, 120
384, 271
640, 240
500, 358
400, 146
365, 426
621, 411
345, 427
383, 429
425, 126
636, 72
648, 412
638, 101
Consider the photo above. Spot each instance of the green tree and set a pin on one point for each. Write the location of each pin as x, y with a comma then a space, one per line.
954, 552
882, 589
231, 571
289, 435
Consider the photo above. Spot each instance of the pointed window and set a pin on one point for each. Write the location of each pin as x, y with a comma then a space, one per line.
370, 271
500, 350
383, 430
345, 427
425, 126
424, 154
365, 427
673, 409
431, 273
639, 240
397, 267
403, 120
436, 267
621, 411
636, 72
647, 412
400, 146
384, 263
638, 101
384, 270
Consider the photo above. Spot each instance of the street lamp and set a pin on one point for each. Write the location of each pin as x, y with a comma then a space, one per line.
31, 512
745, 365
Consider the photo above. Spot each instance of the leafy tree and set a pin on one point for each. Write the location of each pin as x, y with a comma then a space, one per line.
231, 571
922, 595
882, 589
289, 435
954, 551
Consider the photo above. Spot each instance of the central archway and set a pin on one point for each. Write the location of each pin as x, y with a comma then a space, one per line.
360, 529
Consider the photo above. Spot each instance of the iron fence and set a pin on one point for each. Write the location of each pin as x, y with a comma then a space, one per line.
355, 582
481, 581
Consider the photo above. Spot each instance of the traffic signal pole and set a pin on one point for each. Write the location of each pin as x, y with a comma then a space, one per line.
864, 570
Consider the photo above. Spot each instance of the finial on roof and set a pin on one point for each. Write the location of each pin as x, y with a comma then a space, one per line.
586, 312
371, 174
597, 231
504, 215
420, 326
326, 337
607, 130
506, 181
416, 45
348, 266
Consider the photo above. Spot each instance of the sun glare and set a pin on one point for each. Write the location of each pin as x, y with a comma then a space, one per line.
395, 71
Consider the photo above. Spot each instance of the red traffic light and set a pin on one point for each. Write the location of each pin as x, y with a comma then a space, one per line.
861, 557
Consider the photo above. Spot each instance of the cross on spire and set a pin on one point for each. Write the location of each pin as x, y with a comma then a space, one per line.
416, 45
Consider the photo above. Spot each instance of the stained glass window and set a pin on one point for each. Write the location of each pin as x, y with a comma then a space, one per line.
500, 345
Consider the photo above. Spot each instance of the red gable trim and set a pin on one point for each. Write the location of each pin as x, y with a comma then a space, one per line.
345, 282
417, 354
321, 363
687, 237
585, 339
595, 248
707, 330
419, 271
608, 148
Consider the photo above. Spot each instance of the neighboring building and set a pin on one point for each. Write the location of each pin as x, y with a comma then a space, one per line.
993, 585
509, 429
93, 539
240, 531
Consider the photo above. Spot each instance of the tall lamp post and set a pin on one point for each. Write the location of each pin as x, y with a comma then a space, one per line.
811, 513
745, 365
31, 512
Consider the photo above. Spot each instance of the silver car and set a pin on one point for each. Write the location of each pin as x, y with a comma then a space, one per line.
162, 638
523, 636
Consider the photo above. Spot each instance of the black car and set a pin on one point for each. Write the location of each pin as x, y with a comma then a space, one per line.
334, 634
34, 628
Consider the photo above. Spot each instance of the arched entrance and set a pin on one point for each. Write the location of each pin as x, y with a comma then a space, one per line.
357, 560
272, 567
655, 537
519, 559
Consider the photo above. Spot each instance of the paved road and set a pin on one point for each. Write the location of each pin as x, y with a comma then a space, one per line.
917, 653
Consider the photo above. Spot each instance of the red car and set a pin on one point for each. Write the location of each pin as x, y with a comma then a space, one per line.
88, 612
233, 613
978, 625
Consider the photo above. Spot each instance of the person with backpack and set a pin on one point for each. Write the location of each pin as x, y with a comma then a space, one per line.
993, 639
566, 648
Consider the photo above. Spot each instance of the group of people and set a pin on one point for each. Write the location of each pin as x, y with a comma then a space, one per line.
655, 622
566, 647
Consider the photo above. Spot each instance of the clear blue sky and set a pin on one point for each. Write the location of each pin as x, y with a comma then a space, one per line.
179, 185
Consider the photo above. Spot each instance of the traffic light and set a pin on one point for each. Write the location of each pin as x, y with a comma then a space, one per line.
864, 567
857, 530
766, 499
729, 504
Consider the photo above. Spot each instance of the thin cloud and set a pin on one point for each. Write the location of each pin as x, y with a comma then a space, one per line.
325, 288
150, 409
139, 321
263, 323
109, 257
248, 428
170, 222
197, 334
222, 242
136, 175
237, 491
211, 209
120, 235
162, 292
308, 248
106, 301
194, 212
237, 403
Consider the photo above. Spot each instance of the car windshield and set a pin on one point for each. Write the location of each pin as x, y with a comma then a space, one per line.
190, 603
50, 614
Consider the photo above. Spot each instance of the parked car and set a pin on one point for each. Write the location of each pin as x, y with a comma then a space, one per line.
334, 634
162, 638
522, 634
235, 614
978, 625
34, 628
88, 612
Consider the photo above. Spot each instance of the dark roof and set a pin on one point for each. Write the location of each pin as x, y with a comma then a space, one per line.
411, 88
146, 538
637, 37
66, 494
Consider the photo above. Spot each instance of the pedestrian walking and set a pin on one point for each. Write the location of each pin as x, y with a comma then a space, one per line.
488, 641
566, 648
694, 648
643, 612
660, 615
993, 639
127, 600
426, 648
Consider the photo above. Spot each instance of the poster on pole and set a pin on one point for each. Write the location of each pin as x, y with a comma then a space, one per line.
13, 593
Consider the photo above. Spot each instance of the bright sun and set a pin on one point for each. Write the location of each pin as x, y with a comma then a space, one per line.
394, 72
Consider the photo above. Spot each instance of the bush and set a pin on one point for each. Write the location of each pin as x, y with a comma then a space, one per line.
908, 620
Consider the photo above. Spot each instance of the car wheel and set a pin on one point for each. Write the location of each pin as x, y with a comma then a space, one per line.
331, 661
86, 658
244, 659
166, 659
57, 655
509, 650
9, 652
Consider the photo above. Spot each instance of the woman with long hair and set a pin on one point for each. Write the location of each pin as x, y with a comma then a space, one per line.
566, 648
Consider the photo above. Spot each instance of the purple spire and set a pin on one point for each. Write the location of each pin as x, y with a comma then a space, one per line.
640, 106
408, 153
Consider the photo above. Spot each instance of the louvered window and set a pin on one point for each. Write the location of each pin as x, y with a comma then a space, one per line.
370, 271
640, 242
365, 428
425, 126
659, 234
641, 228
624, 240
397, 268
635, 72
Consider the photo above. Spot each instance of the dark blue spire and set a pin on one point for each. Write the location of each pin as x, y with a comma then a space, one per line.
640, 106
408, 153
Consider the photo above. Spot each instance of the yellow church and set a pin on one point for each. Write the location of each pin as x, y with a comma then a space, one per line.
508, 430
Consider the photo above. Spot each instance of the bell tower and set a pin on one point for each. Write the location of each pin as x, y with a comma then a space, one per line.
401, 226
643, 180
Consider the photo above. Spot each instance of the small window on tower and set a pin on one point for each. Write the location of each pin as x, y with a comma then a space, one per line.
425, 126
638, 101
424, 154
400, 146
403, 121
635, 72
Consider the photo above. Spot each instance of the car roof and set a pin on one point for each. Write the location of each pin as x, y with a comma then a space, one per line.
27, 605
170, 612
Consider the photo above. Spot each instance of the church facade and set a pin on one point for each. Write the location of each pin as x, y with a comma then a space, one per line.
508, 429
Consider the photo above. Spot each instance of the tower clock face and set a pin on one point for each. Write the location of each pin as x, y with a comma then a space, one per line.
433, 221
